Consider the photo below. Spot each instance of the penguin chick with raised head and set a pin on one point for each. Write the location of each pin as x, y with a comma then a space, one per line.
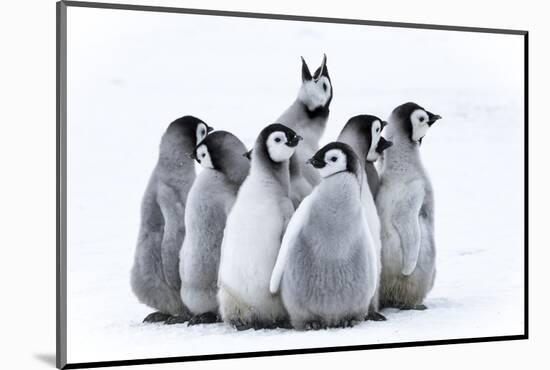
155, 276
253, 234
308, 116
364, 134
209, 202
405, 204
327, 269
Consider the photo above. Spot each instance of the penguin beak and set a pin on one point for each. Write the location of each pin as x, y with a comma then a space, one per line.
432, 118
384, 124
323, 66
306, 74
315, 162
294, 141
383, 144
209, 129
192, 155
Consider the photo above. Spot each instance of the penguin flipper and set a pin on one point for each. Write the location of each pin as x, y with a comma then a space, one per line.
289, 238
407, 225
172, 239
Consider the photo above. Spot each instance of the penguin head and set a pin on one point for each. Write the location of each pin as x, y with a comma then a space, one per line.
278, 141
180, 139
189, 127
415, 120
367, 131
316, 90
222, 151
334, 158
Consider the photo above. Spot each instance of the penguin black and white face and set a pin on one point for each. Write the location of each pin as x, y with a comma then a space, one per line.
201, 131
376, 134
203, 156
365, 132
316, 90
334, 161
421, 121
277, 142
333, 158
280, 147
415, 120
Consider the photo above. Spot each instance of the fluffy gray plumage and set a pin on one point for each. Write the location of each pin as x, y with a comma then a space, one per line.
328, 260
155, 276
253, 235
405, 203
210, 199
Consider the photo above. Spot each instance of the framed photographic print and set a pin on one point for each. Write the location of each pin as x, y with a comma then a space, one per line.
237, 184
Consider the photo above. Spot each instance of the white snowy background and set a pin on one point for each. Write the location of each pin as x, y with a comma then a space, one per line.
131, 73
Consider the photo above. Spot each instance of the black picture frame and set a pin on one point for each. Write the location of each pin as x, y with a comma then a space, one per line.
61, 174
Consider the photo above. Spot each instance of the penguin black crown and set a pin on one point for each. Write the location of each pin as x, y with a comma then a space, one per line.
414, 120
316, 91
336, 157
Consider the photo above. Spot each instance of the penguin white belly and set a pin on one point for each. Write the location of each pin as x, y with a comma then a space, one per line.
249, 251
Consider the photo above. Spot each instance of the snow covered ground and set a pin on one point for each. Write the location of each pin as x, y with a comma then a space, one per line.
132, 73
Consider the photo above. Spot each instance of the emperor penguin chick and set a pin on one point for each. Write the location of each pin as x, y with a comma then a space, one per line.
364, 134
209, 201
155, 278
327, 267
405, 203
253, 234
308, 116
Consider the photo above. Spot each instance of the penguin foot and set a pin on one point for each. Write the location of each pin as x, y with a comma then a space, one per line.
283, 324
417, 307
240, 325
176, 320
347, 323
204, 318
375, 316
314, 325
156, 317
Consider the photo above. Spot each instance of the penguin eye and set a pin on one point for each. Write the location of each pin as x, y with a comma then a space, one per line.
324, 86
334, 159
277, 139
378, 129
203, 131
421, 119
203, 155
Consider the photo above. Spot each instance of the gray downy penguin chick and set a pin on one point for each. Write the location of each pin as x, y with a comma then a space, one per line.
253, 234
209, 202
405, 204
308, 116
327, 267
364, 134
155, 276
